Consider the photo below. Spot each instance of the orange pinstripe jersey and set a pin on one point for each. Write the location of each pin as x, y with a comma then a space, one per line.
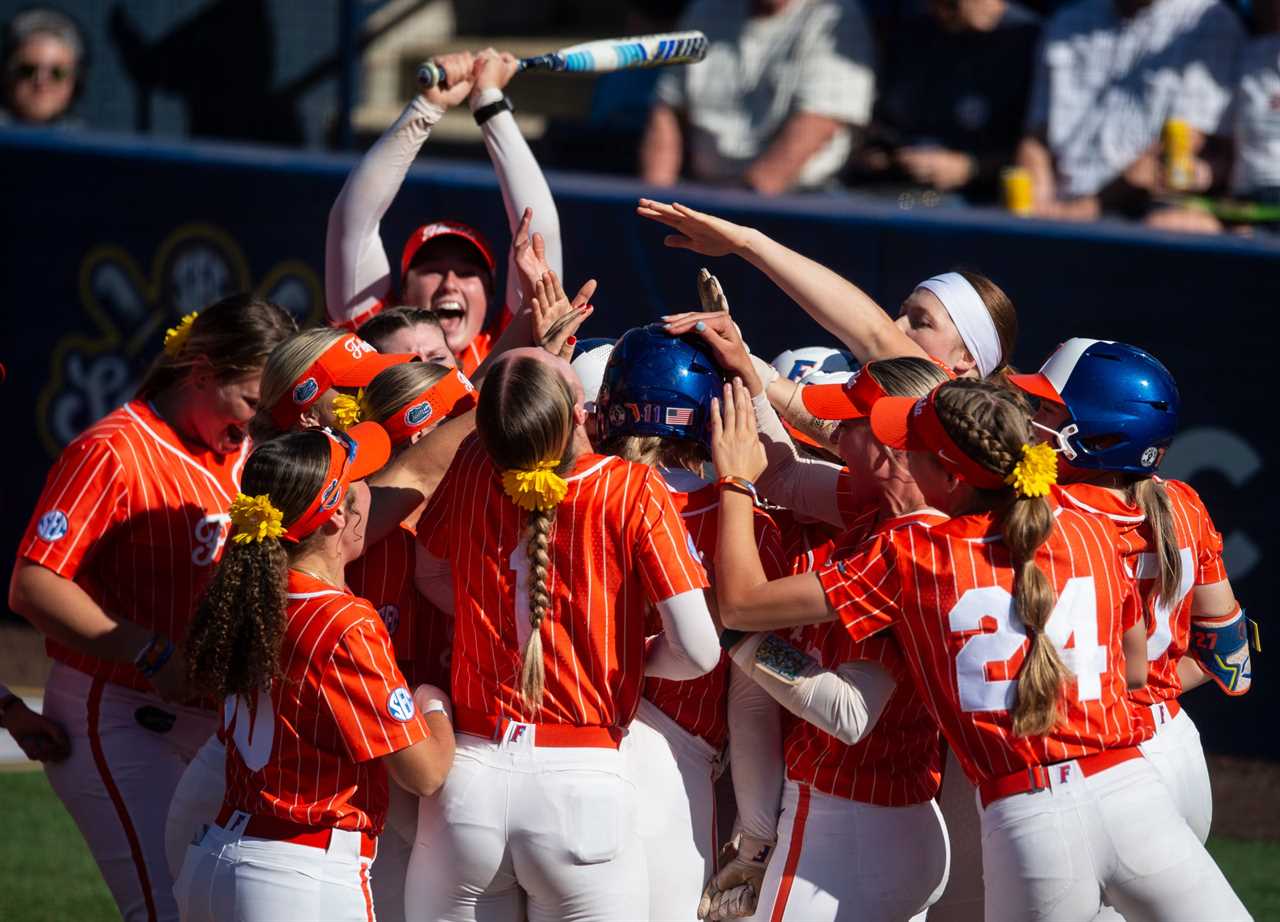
899, 761
617, 547
945, 593
701, 706
806, 545
136, 517
1199, 546
421, 633
342, 705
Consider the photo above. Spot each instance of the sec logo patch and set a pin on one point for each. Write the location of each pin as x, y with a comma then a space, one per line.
400, 705
52, 525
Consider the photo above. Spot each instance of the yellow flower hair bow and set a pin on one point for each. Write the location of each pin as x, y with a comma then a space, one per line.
255, 519
540, 488
1036, 472
348, 410
176, 337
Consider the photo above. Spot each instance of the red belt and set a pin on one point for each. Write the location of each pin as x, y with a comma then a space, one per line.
276, 829
1171, 708
563, 736
1036, 777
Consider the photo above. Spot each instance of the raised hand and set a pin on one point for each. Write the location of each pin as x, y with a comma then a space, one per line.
722, 337
530, 254
555, 318
493, 70
703, 233
458, 68
736, 450
710, 293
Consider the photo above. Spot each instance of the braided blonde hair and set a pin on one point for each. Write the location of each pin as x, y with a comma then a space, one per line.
990, 424
525, 418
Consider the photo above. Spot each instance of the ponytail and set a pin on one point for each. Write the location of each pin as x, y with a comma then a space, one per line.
1027, 525
233, 645
991, 425
1152, 498
525, 421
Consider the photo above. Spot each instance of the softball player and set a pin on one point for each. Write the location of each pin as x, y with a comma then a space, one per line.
556, 554
1070, 812
408, 400
121, 544
962, 319
445, 265
652, 408
859, 791
414, 330
1112, 410
314, 704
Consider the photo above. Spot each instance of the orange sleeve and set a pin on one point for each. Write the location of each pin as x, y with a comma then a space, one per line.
863, 589
366, 695
85, 495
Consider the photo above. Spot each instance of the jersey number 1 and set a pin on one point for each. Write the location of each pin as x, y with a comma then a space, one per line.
1074, 616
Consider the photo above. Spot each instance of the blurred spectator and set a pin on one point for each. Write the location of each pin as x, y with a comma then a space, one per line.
1257, 110
774, 104
1109, 74
952, 97
43, 57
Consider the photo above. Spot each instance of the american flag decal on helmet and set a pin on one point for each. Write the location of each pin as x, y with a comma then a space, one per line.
678, 416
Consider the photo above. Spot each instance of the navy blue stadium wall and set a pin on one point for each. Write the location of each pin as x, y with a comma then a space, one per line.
107, 243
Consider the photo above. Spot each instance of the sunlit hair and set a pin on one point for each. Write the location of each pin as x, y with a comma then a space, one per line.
285, 364
394, 387
231, 338
525, 417
990, 425
1152, 497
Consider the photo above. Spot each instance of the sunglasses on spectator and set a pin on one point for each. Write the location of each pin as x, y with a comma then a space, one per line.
57, 72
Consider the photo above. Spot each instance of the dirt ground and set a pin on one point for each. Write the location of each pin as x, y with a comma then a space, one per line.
1246, 792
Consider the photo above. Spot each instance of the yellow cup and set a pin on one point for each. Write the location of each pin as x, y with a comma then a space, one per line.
1179, 164
1017, 190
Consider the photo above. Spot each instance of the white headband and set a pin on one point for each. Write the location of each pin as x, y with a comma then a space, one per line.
970, 315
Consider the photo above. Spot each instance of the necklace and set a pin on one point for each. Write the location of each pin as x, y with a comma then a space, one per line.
314, 575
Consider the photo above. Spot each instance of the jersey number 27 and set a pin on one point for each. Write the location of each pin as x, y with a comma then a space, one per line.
1074, 620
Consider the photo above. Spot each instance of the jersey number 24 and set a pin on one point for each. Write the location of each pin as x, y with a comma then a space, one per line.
1074, 620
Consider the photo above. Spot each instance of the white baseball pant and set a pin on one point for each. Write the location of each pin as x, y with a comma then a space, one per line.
673, 771
128, 751
962, 900
230, 877
394, 846
1177, 756
196, 801
840, 858
1057, 853
547, 832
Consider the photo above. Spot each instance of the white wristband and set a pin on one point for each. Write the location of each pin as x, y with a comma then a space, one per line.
435, 704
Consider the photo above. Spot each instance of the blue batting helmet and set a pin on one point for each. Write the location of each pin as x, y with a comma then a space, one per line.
658, 384
1123, 404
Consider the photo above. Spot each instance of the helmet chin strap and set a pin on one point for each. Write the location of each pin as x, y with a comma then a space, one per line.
1060, 437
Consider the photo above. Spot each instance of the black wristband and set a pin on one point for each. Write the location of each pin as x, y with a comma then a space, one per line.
484, 113
729, 638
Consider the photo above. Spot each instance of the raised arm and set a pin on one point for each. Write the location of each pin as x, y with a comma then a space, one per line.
357, 274
523, 185
841, 307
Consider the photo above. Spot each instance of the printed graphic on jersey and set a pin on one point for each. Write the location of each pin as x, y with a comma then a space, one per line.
400, 705
52, 525
390, 615
210, 534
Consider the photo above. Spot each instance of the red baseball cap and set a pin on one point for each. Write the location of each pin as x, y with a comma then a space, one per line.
353, 455
348, 362
912, 423
437, 229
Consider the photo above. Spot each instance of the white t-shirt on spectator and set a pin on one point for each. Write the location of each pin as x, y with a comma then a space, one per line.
814, 56
1257, 117
1105, 86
